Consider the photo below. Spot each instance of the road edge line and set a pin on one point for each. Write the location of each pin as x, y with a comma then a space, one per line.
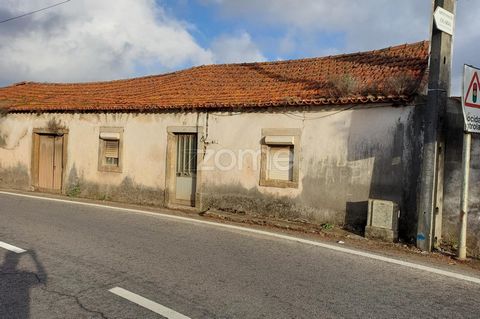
270, 234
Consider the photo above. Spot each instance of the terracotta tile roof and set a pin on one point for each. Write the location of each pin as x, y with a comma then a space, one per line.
391, 74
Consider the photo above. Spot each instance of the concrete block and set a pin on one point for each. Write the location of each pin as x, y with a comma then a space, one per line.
388, 235
382, 220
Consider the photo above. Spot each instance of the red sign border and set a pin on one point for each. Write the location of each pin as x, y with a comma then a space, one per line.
475, 76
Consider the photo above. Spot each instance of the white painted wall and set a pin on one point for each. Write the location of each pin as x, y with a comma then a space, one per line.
332, 142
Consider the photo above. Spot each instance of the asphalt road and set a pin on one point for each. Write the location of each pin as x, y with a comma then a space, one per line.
75, 254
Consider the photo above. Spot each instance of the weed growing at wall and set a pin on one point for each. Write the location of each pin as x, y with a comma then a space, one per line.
74, 190
327, 226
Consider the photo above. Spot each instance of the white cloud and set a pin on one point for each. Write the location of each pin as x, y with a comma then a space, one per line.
466, 42
85, 40
364, 25
236, 48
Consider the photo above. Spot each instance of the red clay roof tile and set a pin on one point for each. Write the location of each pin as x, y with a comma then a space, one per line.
391, 74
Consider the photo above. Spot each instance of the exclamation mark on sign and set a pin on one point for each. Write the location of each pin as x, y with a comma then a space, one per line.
475, 92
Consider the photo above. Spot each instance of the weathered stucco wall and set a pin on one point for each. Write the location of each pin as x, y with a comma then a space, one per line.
14, 164
453, 182
346, 157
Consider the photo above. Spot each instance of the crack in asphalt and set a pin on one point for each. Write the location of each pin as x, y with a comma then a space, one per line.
76, 298
40, 281
44, 288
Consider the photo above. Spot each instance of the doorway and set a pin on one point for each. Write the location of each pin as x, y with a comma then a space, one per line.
183, 176
186, 168
48, 161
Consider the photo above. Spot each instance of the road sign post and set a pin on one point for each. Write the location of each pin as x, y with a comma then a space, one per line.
471, 114
462, 237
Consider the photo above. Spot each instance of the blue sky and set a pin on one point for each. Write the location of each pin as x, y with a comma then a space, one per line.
204, 20
91, 40
209, 22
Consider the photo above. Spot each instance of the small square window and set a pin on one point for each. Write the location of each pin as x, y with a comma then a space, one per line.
110, 150
280, 158
280, 163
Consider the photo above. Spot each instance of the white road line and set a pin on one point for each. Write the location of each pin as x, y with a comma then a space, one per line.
12, 248
270, 234
146, 303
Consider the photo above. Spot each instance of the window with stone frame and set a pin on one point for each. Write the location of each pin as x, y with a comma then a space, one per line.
280, 158
110, 149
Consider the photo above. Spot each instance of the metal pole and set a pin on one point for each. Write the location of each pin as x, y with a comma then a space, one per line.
462, 240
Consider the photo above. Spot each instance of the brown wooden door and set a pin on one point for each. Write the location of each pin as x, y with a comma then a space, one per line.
58, 163
50, 162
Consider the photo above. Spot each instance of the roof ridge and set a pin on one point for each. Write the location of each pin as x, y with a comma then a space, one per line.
97, 82
394, 74
317, 58
205, 66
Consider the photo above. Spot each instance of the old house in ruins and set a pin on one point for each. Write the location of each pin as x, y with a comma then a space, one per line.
309, 139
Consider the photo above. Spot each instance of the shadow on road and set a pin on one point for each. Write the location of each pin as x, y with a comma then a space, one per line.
15, 285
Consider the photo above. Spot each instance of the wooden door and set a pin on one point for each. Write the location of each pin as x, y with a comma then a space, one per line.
50, 162
58, 163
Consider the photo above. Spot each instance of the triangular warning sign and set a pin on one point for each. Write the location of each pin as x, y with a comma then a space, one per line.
472, 98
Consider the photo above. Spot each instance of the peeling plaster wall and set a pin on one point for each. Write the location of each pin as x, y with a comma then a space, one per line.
142, 179
14, 161
346, 158
453, 182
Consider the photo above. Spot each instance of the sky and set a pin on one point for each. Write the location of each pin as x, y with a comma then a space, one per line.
95, 40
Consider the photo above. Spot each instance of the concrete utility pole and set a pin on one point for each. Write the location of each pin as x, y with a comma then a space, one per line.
430, 199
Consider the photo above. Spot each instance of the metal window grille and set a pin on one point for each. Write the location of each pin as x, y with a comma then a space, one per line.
186, 154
